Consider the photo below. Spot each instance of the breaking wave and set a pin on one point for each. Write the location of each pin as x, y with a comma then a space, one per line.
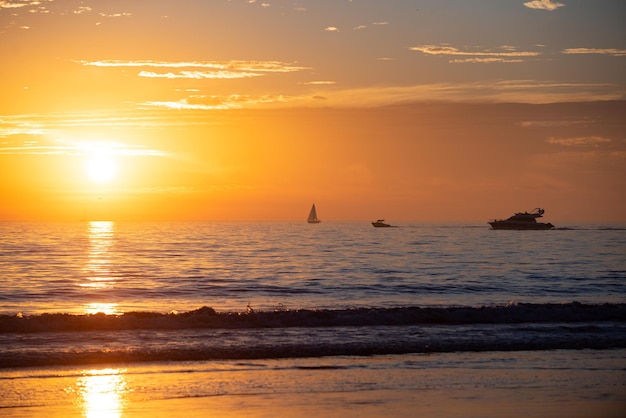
206, 317
207, 335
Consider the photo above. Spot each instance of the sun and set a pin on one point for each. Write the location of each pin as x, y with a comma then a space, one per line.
101, 169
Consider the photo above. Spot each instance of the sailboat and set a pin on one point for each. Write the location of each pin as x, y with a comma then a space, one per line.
312, 219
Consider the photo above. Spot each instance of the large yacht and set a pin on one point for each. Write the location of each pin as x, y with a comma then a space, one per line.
522, 220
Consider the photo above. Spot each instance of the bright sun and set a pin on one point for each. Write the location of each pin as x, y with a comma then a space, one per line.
101, 169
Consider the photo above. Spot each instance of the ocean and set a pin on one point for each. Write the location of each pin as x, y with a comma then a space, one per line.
295, 314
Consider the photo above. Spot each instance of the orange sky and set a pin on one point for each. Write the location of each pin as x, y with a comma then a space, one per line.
244, 110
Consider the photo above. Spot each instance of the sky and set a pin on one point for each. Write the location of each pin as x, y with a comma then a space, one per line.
244, 110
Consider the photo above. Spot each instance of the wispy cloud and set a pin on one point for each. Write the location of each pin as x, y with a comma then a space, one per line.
543, 5
600, 51
361, 27
81, 10
553, 123
319, 83
331, 29
485, 60
578, 141
201, 69
64, 134
45, 146
198, 75
184, 104
35, 126
262, 66
16, 4
41, 6
506, 54
115, 14
56, 135
219, 102
511, 91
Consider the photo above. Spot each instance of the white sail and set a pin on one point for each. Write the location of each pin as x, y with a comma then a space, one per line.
312, 219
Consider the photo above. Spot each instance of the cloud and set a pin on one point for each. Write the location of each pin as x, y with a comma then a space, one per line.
198, 75
52, 135
184, 104
553, 123
33, 148
13, 4
594, 141
361, 27
331, 29
263, 66
113, 15
319, 83
219, 102
35, 130
82, 9
46, 146
492, 91
7, 130
39, 6
198, 69
507, 54
448, 50
543, 5
484, 60
602, 51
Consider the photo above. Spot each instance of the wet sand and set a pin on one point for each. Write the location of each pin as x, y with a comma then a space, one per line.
519, 384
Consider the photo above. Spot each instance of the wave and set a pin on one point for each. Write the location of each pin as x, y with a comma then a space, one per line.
99, 348
209, 318
206, 335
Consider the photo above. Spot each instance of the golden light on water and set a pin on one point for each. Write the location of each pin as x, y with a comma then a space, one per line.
103, 393
98, 271
105, 308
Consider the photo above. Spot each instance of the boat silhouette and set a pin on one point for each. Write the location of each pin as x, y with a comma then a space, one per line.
523, 221
313, 219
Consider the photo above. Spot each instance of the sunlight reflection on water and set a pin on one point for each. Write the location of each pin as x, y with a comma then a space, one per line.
98, 271
103, 393
105, 308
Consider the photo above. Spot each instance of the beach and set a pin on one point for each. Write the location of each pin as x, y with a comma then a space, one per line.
560, 383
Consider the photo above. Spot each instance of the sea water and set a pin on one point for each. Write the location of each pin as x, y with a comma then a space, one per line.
105, 293
162, 267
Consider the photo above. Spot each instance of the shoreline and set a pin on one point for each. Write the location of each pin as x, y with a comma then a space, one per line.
560, 383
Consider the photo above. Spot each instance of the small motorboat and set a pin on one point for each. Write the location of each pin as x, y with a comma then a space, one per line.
523, 221
380, 224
